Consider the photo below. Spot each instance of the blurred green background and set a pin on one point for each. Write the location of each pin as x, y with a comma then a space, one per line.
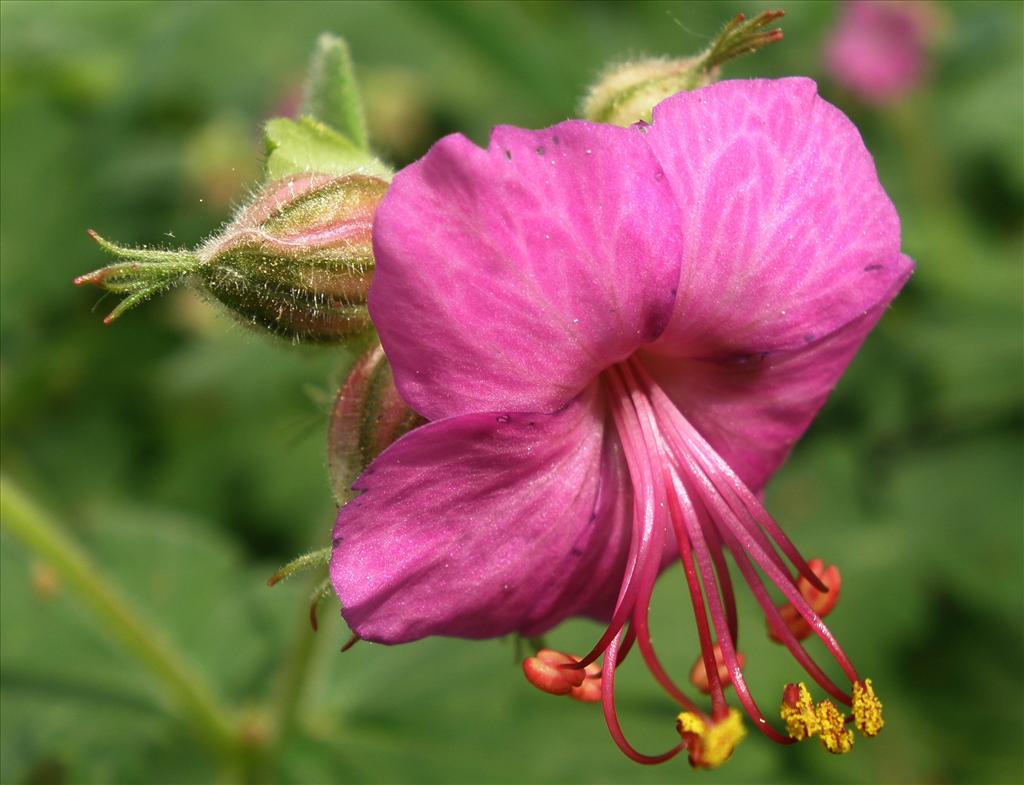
186, 455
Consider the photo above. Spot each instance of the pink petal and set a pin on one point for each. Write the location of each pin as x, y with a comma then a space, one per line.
752, 410
507, 278
485, 524
791, 253
787, 232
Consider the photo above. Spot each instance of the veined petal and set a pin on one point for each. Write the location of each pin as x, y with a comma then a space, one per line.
508, 278
753, 409
787, 232
485, 524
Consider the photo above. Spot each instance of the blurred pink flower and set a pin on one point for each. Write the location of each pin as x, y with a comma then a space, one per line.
878, 49
617, 335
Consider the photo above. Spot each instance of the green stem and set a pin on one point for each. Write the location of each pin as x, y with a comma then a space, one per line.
294, 677
40, 534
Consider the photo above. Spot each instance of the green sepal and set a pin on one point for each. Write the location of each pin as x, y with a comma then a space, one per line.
144, 273
307, 145
331, 93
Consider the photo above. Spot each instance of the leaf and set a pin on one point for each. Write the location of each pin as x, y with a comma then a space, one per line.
307, 145
75, 702
332, 95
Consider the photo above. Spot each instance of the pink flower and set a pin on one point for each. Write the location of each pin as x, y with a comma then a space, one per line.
617, 335
878, 48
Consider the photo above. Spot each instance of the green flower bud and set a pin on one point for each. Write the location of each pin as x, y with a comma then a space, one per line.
298, 260
368, 415
295, 262
627, 92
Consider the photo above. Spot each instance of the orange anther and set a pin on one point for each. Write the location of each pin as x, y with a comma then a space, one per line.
590, 690
821, 602
699, 673
547, 672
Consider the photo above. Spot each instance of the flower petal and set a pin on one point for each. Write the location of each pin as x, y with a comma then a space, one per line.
486, 524
787, 232
508, 278
753, 409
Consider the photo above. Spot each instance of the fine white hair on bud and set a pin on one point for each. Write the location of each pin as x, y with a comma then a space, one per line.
625, 93
295, 262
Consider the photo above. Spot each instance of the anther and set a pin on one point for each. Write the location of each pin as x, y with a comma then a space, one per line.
821, 602
699, 671
710, 743
832, 728
549, 672
867, 709
797, 712
590, 690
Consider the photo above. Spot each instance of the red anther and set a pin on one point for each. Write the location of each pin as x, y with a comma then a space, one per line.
821, 602
699, 673
791, 695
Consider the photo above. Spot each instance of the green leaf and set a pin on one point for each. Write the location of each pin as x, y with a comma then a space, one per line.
332, 95
77, 702
307, 145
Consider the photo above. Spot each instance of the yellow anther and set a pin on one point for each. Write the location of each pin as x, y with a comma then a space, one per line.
798, 712
710, 744
688, 722
867, 709
832, 730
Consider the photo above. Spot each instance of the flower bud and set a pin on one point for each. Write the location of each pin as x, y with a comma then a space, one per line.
626, 93
368, 415
296, 262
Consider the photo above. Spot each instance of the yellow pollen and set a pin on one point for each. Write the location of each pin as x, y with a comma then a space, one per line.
867, 708
688, 722
834, 735
801, 721
711, 745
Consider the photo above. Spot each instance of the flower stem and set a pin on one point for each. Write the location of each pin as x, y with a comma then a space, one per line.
293, 680
20, 515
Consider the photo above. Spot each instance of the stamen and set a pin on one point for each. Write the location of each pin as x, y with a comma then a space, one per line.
646, 520
718, 619
797, 712
710, 744
738, 540
832, 729
554, 672
867, 708
611, 719
645, 420
715, 467
821, 602
714, 542
699, 671
547, 673
674, 471
649, 532
590, 690
799, 653
676, 514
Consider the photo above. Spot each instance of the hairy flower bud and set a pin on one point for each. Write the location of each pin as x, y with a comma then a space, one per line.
627, 92
296, 262
368, 415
